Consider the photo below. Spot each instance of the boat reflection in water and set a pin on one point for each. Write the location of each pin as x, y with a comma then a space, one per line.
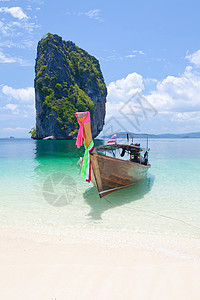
122, 197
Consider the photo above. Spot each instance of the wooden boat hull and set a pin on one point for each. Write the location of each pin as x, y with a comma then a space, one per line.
117, 174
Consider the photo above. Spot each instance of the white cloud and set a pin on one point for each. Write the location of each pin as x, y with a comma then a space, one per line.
178, 93
173, 94
6, 59
16, 129
134, 53
17, 29
123, 89
16, 12
23, 95
7, 29
139, 52
39, 2
112, 57
11, 106
94, 14
28, 26
186, 116
130, 56
23, 44
194, 58
120, 91
176, 99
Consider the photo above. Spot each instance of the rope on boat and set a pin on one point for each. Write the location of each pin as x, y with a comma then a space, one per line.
153, 213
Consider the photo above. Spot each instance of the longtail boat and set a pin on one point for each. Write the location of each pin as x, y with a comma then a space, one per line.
101, 165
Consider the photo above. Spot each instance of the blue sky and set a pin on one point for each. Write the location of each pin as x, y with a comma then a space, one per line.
151, 47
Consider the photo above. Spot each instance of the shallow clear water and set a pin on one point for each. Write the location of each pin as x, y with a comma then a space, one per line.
41, 189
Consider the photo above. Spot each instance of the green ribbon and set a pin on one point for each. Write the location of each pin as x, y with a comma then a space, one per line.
86, 159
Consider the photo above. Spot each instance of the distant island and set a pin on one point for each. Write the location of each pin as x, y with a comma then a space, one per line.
158, 136
67, 79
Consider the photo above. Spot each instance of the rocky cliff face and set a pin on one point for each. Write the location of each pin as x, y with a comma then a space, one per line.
67, 79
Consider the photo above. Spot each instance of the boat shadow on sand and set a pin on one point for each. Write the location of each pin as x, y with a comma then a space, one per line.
118, 198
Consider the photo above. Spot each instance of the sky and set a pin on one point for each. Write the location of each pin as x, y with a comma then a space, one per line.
149, 53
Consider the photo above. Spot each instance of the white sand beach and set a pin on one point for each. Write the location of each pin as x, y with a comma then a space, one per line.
35, 266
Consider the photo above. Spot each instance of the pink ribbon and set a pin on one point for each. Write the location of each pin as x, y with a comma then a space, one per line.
79, 140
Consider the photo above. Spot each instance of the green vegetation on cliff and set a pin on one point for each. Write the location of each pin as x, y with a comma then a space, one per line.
64, 76
33, 132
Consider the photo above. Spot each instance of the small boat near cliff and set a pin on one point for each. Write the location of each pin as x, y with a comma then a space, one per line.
103, 167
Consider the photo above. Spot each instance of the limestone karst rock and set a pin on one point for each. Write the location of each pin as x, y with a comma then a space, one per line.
67, 79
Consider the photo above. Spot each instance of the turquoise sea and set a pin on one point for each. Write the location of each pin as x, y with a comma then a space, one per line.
41, 190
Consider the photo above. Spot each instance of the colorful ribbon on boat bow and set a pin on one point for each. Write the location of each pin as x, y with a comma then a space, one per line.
79, 140
86, 168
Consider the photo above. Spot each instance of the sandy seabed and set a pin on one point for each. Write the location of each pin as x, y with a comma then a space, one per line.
83, 265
